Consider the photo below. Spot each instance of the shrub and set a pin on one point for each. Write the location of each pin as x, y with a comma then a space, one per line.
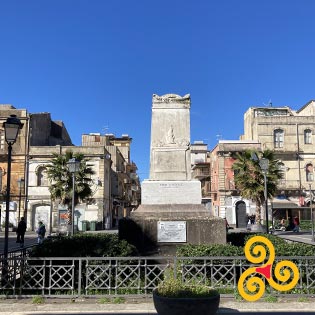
175, 288
209, 250
85, 245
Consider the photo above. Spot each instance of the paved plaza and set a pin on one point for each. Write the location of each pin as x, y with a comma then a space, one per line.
92, 306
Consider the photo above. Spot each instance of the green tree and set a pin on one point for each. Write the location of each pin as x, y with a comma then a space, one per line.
249, 178
61, 181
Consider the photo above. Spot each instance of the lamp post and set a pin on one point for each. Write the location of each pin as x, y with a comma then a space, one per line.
264, 165
11, 129
73, 167
20, 183
312, 215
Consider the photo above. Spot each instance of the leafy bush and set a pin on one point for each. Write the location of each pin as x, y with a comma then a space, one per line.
306, 225
209, 250
175, 288
282, 248
84, 245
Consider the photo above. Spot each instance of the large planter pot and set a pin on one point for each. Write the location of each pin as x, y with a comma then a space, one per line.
186, 306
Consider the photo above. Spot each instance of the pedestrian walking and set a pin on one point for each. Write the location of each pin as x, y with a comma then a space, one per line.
20, 232
41, 231
296, 222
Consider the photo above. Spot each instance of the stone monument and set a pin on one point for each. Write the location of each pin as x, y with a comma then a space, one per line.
171, 212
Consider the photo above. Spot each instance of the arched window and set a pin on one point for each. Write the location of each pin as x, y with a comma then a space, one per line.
307, 136
41, 176
278, 137
309, 173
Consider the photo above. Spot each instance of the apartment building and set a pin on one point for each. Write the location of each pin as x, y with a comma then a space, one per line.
226, 199
125, 183
38, 129
115, 184
291, 134
40, 207
200, 165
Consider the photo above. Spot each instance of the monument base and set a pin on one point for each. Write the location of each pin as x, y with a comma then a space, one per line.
159, 229
170, 192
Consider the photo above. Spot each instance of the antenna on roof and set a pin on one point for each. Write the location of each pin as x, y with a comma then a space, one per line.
269, 104
104, 129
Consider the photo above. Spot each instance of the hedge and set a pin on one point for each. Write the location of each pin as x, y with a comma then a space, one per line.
84, 245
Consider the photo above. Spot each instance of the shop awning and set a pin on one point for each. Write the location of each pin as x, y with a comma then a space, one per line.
284, 204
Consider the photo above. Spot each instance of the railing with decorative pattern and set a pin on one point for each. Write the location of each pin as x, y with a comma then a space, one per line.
90, 276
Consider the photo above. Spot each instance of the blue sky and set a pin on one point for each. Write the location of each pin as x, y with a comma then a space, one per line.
96, 63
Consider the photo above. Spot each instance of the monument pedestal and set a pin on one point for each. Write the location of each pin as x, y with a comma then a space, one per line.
171, 212
159, 229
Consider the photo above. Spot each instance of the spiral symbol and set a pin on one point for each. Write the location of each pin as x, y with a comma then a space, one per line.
255, 286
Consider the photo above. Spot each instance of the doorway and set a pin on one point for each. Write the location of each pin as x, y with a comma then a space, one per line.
241, 217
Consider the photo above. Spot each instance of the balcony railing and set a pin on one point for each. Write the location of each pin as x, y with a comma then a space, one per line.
201, 173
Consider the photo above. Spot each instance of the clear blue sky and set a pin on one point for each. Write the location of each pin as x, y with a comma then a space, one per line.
96, 63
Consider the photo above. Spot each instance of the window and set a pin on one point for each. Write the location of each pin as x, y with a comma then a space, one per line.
278, 138
2, 139
307, 136
309, 173
41, 176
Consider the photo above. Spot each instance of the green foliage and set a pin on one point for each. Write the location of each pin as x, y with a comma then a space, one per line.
209, 250
249, 177
104, 300
85, 245
61, 179
306, 225
38, 299
271, 299
176, 288
119, 300
236, 248
282, 248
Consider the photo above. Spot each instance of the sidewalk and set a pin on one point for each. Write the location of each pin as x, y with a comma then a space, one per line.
145, 306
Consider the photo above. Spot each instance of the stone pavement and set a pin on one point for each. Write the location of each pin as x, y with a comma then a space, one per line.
145, 306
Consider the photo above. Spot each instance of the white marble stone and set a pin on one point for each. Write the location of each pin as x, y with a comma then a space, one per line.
170, 138
170, 192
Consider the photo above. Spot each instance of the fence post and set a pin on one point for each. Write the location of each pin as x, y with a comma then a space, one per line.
80, 279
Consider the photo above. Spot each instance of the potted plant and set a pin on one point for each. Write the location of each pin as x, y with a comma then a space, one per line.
173, 296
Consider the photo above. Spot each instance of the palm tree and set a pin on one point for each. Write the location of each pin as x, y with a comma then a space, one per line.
249, 178
61, 181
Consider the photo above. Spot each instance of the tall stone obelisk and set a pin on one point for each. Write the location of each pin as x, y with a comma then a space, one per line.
171, 212
170, 162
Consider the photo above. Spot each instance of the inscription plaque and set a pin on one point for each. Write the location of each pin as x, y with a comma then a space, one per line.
171, 231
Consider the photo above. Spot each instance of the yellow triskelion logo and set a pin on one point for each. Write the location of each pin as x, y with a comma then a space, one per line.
284, 271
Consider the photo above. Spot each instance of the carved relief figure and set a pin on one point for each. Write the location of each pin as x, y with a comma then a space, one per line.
170, 138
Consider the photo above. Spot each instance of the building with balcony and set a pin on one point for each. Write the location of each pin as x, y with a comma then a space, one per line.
40, 207
200, 165
291, 134
226, 199
38, 130
125, 183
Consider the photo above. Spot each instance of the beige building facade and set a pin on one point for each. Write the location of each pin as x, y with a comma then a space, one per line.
291, 134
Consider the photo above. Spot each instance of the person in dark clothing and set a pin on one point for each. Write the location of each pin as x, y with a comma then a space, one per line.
20, 232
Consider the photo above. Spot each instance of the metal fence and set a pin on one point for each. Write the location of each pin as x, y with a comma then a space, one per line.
93, 276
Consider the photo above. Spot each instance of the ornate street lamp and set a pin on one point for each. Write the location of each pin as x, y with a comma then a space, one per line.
264, 165
11, 129
73, 167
